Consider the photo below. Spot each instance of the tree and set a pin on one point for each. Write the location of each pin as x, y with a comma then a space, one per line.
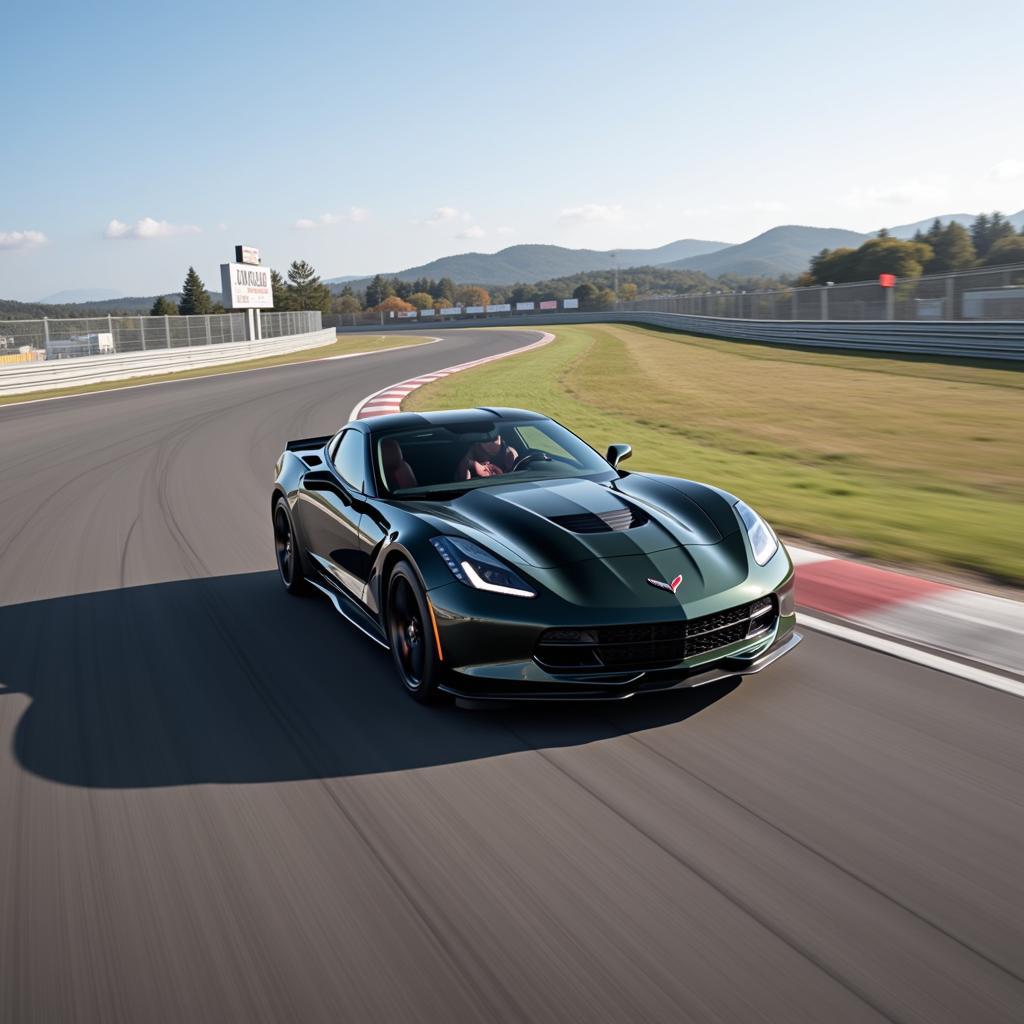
195, 299
1007, 250
346, 304
605, 299
472, 295
445, 289
393, 304
163, 307
952, 248
988, 229
306, 290
422, 300
377, 291
628, 291
403, 289
881, 255
585, 292
282, 297
524, 293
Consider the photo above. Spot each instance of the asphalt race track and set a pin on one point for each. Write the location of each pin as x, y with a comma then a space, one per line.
216, 803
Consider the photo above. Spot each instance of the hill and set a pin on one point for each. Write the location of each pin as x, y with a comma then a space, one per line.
74, 295
537, 262
782, 250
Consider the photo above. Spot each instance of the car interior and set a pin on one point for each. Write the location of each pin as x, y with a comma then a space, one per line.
431, 456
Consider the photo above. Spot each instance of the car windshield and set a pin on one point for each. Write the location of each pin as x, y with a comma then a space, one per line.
436, 462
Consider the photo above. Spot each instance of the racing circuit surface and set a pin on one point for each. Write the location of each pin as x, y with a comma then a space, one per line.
217, 803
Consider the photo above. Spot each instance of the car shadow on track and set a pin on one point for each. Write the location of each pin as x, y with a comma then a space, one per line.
230, 680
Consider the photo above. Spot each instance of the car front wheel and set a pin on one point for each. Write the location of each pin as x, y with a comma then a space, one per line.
411, 635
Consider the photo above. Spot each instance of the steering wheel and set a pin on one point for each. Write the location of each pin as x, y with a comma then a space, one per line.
530, 455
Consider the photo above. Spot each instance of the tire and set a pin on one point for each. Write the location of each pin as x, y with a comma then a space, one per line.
287, 551
411, 636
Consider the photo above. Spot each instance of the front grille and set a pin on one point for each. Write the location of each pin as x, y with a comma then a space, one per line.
649, 645
624, 518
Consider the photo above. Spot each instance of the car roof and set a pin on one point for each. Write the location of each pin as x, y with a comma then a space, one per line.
412, 420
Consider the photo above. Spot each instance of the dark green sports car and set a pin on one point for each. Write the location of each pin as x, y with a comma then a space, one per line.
499, 557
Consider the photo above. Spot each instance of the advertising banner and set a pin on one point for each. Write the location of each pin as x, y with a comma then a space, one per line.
451, 310
548, 304
524, 305
247, 254
501, 307
474, 309
245, 286
426, 312
570, 304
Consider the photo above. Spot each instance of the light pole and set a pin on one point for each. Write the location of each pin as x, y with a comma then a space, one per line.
615, 270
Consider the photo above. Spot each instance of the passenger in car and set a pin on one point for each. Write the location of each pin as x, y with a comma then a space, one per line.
487, 458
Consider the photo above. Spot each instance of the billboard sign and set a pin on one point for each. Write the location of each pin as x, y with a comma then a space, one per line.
548, 304
570, 304
524, 305
246, 286
247, 254
474, 309
426, 312
501, 307
451, 310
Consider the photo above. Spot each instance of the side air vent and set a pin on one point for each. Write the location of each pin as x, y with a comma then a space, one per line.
312, 460
625, 518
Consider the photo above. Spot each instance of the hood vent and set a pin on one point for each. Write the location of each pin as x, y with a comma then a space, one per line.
625, 518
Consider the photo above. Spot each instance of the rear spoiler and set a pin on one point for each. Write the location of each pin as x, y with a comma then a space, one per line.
307, 443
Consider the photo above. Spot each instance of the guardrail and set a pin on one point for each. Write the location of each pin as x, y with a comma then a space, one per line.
23, 378
988, 339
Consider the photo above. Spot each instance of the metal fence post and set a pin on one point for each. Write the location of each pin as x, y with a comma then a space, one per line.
824, 302
207, 318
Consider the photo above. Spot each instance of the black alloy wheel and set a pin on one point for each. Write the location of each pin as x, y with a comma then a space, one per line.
411, 635
289, 564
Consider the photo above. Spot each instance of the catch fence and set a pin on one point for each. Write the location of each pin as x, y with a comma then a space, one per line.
27, 340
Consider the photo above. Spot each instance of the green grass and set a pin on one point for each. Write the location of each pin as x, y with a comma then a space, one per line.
345, 344
910, 460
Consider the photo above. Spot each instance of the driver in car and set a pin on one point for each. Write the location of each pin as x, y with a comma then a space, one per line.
487, 458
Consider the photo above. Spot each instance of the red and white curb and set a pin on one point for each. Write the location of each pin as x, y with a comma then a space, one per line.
389, 400
962, 623
870, 601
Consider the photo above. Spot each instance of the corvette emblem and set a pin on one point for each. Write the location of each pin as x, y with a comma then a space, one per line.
662, 585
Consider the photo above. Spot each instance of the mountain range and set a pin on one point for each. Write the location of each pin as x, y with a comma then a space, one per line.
781, 251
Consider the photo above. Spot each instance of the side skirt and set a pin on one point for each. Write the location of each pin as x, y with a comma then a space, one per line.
348, 610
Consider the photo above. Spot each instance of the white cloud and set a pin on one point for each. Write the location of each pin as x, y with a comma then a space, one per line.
592, 213
902, 193
22, 239
147, 227
355, 215
1008, 170
473, 231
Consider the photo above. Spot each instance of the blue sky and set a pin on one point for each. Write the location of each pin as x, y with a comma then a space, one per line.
142, 138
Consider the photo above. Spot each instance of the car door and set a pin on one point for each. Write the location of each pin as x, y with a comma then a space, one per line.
331, 507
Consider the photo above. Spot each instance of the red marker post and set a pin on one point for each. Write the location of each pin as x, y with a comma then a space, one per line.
888, 282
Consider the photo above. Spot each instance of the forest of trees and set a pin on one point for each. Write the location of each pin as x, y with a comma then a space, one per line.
989, 241
594, 288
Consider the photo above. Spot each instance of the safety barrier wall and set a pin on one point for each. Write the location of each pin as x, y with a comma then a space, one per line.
990, 339
22, 378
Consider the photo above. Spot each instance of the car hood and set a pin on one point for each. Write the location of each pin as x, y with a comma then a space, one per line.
545, 524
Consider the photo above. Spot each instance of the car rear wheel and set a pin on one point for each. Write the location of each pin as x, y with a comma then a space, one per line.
411, 635
289, 561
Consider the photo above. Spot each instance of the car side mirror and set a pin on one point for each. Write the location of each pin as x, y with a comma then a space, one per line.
618, 453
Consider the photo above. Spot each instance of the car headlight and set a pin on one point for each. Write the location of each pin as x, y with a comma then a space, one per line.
763, 541
472, 565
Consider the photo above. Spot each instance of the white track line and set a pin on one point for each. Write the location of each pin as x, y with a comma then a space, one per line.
913, 654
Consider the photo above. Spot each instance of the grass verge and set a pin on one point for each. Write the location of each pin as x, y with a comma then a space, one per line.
909, 460
346, 344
